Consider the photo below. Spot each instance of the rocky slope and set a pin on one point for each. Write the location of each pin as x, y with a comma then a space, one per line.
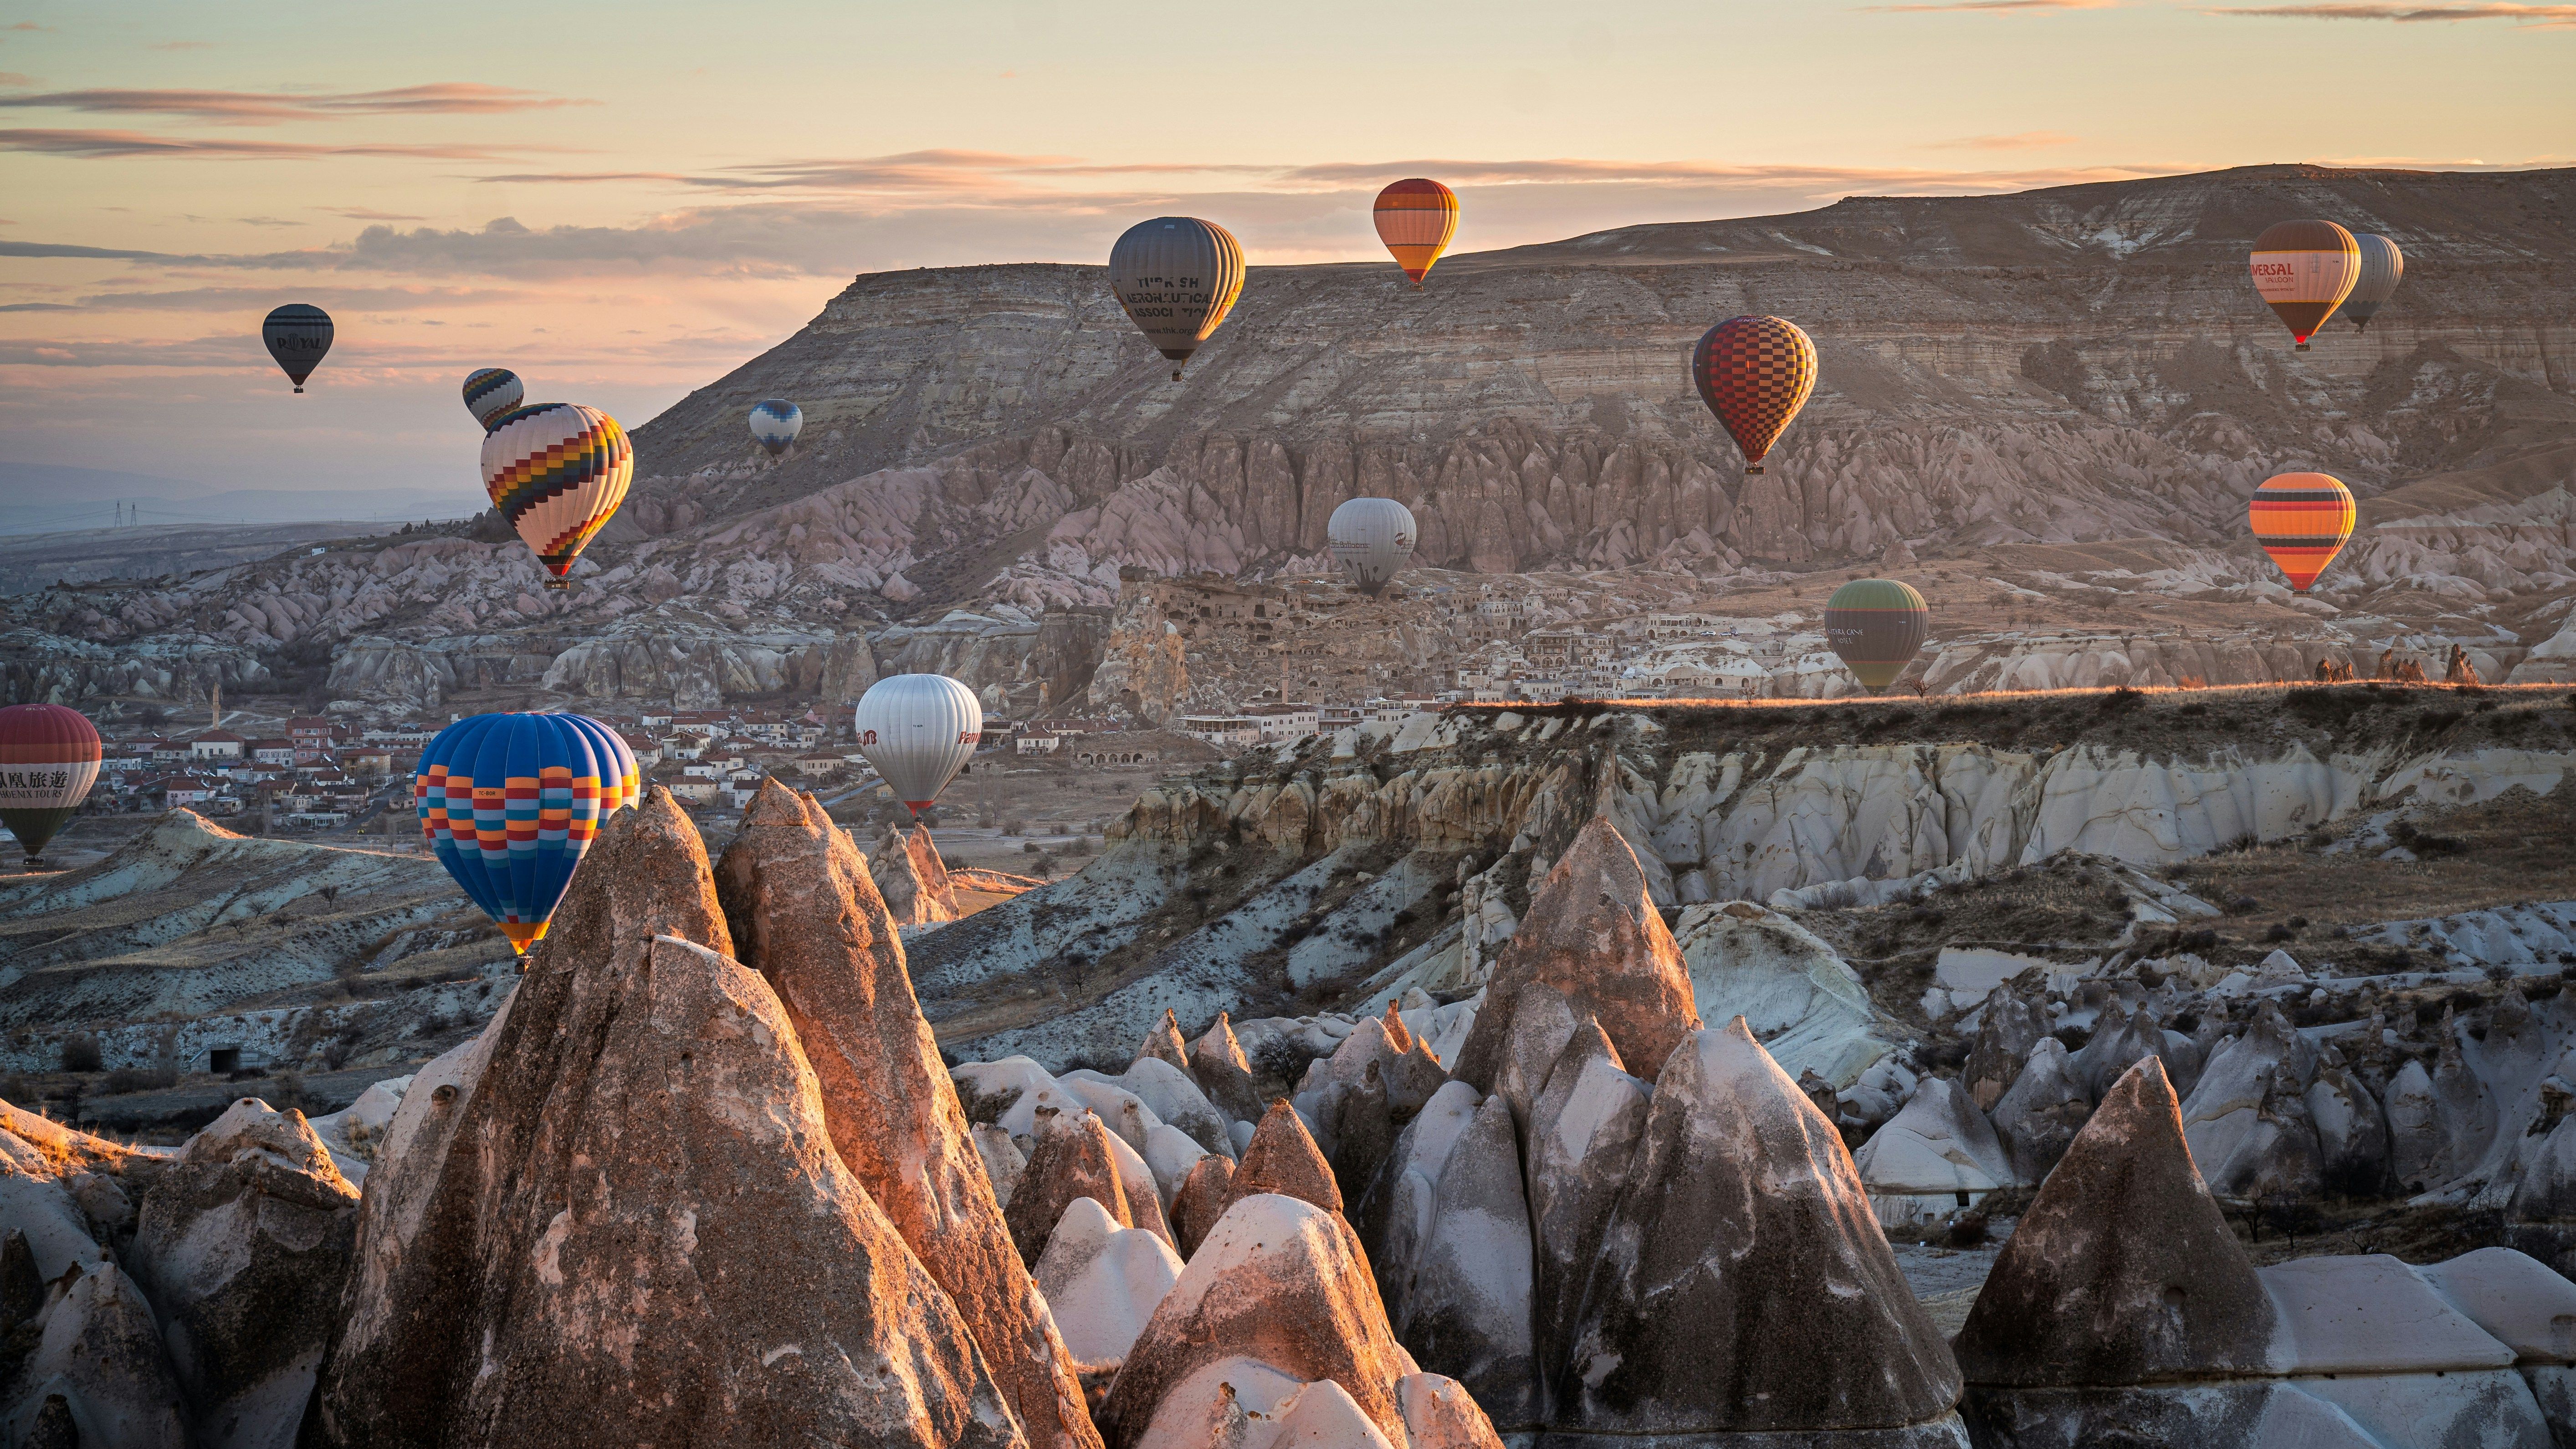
2082, 372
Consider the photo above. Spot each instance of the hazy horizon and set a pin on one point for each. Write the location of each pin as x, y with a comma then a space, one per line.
630, 228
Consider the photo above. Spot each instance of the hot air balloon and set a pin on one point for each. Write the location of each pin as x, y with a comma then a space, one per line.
2302, 520
48, 760
297, 335
2304, 269
2382, 267
775, 422
918, 730
1876, 625
557, 471
490, 392
1370, 538
1754, 373
1416, 219
509, 803
1177, 276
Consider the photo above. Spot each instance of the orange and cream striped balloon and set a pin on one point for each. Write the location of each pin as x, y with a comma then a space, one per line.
2305, 269
2302, 520
1416, 218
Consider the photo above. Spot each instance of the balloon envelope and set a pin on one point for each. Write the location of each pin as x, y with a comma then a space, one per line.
49, 758
918, 730
510, 803
1370, 538
1754, 373
297, 335
1416, 218
490, 392
2383, 266
1177, 276
775, 422
2304, 269
1876, 625
557, 471
2302, 520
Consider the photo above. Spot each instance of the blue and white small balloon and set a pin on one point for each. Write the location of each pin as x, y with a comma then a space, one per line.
775, 422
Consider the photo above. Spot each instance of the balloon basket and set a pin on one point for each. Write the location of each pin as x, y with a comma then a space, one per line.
559, 585
2302, 347
1750, 471
299, 387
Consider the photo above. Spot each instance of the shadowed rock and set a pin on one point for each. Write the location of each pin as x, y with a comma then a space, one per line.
1466, 1308
2352, 1132
1280, 1282
642, 1215
910, 876
2040, 1116
2006, 1032
244, 1248
1583, 1134
1075, 1157
1363, 1132
1201, 1201
1284, 1159
1592, 935
2123, 1270
804, 913
1217, 1060
1743, 1283
100, 1353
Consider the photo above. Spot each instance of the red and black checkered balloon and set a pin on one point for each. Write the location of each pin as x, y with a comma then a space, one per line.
1754, 373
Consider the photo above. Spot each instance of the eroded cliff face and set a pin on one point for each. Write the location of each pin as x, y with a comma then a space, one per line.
1390, 858
2074, 389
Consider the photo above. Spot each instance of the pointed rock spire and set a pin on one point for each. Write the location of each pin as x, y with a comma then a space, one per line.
2123, 1270
1743, 1283
1075, 1157
804, 913
913, 879
1398, 1035
1201, 1201
1284, 1159
1467, 1311
1217, 1060
1593, 936
1164, 1043
1583, 1133
640, 1206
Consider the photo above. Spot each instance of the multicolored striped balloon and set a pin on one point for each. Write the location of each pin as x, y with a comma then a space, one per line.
557, 471
2305, 269
1416, 218
1876, 626
492, 391
1755, 373
49, 757
510, 802
2302, 520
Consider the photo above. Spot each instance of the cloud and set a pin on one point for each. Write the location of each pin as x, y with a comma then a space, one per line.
12, 78
329, 298
38, 307
364, 213
100, 145
183, 45
26, 25
2018, 141
1993, 7
2541, 17
259, 108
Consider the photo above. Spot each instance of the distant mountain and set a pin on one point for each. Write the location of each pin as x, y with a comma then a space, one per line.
56, 498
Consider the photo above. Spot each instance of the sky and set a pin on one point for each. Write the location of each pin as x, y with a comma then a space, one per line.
622, 202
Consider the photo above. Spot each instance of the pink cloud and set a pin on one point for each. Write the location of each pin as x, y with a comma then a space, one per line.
257, 108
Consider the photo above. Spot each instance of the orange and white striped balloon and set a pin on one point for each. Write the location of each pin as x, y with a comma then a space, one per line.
557, 471
1416, 218
2305, 269
2302, 520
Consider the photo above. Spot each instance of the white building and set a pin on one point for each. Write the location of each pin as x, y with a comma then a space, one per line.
1286, 721
1225, 731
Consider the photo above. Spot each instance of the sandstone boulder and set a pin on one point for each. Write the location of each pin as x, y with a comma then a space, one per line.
1003, 1162
2006, 1031
1164, 1043
244, 1248
1284, 1160
910, 877
1217, 1060
803, 912
1465, 1310
1583, 1135
1075, 1158
2123, 1271
1280, 1282
1743, 1284
1102, 1281
1592, 935
2039, 1117
1200, 1202
1938, 1156
640, 1211
96, 1367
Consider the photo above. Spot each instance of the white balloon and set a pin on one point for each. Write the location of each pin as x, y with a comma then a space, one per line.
775, 422
1370, 538
918, 730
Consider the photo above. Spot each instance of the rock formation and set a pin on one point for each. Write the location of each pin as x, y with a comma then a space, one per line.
911, 878
640, 1210
2038, 1119
1743, 1285
1075, 1158
1938, 1156
1593, 941
1583, 1135
802, 910
96, 1368
244, 1248
1284, 1160
1102, 1281
1216, 1058
1200, 1202
2123, 1271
